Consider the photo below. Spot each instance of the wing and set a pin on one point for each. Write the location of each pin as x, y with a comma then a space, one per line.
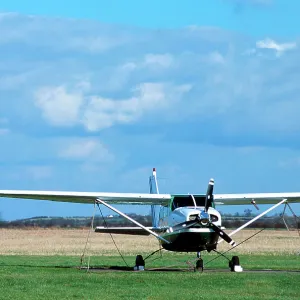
89, 197
127, 230
260, 198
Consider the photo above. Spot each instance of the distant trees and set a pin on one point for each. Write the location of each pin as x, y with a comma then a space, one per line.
74, 222
247, 212
1, 221
275, 221
228, 220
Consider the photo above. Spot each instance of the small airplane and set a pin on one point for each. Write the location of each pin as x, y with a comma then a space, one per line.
181, 222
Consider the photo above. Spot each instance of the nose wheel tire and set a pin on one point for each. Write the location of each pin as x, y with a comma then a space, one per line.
199, 265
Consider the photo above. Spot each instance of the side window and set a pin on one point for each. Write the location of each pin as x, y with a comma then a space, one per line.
164, 212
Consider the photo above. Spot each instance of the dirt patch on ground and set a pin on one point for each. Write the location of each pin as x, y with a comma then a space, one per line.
40, 241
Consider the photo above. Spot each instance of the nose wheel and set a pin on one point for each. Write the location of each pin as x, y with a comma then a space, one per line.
199, 263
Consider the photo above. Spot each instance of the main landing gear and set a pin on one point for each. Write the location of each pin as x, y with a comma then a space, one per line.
234, 264
139, 263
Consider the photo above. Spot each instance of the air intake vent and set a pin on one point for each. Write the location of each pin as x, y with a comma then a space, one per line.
193, 217
214, 218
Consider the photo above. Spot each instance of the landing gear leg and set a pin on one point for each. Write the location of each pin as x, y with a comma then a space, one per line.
139, 263
199, 263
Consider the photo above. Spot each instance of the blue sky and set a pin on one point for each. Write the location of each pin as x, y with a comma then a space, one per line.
93, 96
255, 17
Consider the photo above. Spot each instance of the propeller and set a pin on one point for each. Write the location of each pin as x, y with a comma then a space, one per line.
204, 218
185, 224
209, 193
202, 221
222, 234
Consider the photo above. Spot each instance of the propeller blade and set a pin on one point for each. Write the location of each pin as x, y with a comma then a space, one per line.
185, 224
223, 235
209, 193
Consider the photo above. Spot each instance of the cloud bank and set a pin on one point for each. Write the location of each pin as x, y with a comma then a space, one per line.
82, 103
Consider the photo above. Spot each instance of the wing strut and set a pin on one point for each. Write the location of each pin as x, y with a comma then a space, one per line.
131, 220
254, 219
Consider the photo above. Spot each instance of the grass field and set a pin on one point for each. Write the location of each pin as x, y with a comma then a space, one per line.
43, 264
40, 241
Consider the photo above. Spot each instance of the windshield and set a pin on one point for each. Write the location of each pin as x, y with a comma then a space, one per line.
187, 200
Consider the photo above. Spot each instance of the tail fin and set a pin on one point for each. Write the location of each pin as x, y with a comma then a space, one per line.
153, 185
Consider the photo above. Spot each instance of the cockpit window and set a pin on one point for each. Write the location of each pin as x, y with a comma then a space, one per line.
187, 200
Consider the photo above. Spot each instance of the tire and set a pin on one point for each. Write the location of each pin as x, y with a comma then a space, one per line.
199, 265
235, 261
139, 261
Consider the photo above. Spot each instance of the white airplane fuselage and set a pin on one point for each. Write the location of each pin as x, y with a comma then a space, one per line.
198, 236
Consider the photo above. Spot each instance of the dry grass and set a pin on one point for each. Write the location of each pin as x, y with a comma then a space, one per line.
72, 242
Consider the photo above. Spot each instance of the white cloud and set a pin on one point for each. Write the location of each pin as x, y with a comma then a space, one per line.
271, 44
62, 108
216, 57
191, 75
58, 106
96, 44
149, 97
150, 63
118, 78
128, 67
73, 35
86, 150
159, 60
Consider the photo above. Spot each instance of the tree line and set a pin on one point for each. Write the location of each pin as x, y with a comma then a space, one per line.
228, 221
